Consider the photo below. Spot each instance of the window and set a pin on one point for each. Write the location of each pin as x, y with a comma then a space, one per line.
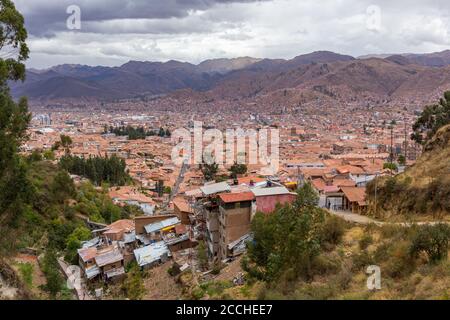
229, 206
246, 204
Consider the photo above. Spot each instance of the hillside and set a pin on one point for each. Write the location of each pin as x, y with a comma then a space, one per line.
318, 74
423, 191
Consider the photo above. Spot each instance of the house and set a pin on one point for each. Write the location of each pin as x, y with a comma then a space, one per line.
110, 262
182, 209
86, 261
117, 230
131, 196
268, 198
354, 199
152, 254
235, 213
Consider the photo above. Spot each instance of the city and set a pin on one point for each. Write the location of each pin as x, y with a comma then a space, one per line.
234, 178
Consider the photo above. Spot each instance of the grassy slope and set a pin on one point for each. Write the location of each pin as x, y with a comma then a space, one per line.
341, 272
422, 192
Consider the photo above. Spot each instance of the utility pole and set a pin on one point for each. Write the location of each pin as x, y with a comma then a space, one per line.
376, 185
391, 157
406, 141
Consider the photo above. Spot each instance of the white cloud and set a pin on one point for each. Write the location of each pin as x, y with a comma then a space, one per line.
273, 29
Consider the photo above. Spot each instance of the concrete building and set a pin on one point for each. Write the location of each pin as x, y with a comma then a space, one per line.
235, 218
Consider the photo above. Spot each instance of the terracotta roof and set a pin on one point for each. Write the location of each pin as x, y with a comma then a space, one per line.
247, 180
236, 197
350, 169
87, 254
182, 205
319, 184
343, 183
126, 225
355, 194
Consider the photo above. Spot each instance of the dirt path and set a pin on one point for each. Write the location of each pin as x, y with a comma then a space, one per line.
360, 219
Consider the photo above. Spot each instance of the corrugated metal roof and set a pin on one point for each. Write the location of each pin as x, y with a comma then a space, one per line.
115, 272
152, 227
215, 188
129, 237
150, 253
259, 192
92, 272
108, 258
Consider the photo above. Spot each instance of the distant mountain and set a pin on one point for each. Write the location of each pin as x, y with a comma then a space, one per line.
437, 59
138, 78
226, 65
320, 73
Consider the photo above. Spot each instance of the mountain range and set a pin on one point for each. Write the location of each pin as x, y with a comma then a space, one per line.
327, 73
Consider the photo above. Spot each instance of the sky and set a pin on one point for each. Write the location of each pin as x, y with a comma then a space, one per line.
112, 32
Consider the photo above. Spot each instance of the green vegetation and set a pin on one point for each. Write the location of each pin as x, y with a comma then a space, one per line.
26, 271
209, 170
433, 240
73, 243
55, 281
237, 169
202, 255
431, 120
408, 271
390, 165
133, 286
65, 142
111, 170
136, 133
287, 241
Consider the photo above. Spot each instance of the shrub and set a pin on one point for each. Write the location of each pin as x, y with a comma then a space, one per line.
26, 270
365, 241
133, 286
432, 240
362, 260
174, 270
333, 230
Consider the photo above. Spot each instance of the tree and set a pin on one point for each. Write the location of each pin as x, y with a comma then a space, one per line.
431, 120
202, 255
73, 242
237, 169
133, 286
401, 160
390, 166
433, 240
287, 240
62, 187
13, 45
51, 270
209, 170
14, 117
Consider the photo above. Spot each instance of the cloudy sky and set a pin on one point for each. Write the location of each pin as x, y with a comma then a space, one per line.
116, 31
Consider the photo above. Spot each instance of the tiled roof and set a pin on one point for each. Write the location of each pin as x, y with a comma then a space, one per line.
236, 197
355, 194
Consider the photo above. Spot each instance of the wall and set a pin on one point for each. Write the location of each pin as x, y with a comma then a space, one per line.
267, 204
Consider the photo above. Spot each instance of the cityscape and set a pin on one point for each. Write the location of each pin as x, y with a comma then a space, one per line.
236, 175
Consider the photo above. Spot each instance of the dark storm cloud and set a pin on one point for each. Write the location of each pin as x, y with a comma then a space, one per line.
46, 17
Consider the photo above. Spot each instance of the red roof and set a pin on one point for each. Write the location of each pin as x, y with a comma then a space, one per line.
249, 180
237, 197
